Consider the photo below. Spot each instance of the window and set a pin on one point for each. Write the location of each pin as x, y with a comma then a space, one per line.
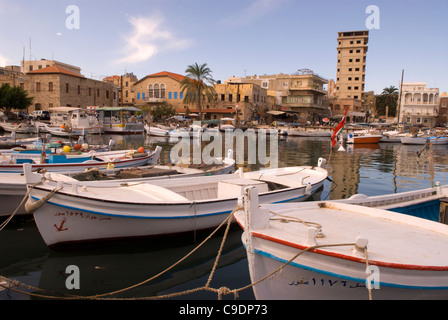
358, 51
223, 97
79, 89
170, 95
162, 91
156, 91
230, 97
67, 88
107, 94
351, 51
350, 69
408, 119
264, 84
349, 88
349, 78
98, 93
175, 95
181, 95
150, 91
350, 60
50, 86
356, 69
38, 86
138, 95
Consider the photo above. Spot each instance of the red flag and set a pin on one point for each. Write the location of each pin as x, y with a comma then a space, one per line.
338, 129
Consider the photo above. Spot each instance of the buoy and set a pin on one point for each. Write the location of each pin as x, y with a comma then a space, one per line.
77, 146
141, 150
66, 149
62, 126
59, 141
85, 146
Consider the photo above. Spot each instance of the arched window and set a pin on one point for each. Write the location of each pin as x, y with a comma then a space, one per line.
150, 91
156, 91
162, 91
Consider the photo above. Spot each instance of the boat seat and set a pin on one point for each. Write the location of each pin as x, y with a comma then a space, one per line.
235, 187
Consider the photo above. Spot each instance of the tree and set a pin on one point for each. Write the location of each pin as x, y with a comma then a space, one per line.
163, 111
13, 98
197, 82
388, 98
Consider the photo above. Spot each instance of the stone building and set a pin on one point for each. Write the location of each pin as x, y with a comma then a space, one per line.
302, 94
125, 87
245, 101
32, 65
443, 110
419, 105
55, 86
160, 87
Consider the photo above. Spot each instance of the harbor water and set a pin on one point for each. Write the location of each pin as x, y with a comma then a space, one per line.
116, 267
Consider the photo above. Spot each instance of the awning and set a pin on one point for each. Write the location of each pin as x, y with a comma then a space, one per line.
275, 112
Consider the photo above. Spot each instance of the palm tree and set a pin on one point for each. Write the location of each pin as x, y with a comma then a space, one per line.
390, 96
198, 81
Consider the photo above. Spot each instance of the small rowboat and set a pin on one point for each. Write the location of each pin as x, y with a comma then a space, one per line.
329, 250
69, 211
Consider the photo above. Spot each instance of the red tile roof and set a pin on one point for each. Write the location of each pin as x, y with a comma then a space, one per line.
55, 69
175, 76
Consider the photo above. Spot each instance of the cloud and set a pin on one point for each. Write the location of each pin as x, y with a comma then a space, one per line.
257, 10
148, 37
3, 61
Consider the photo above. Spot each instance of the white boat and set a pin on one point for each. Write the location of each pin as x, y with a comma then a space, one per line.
327, 250
393, 136
80, 212
72, 122
12, 140
363, 137
120, 120
227, 124
22, 127
13, 185
76, 161
309, 133
421, 140
157, 131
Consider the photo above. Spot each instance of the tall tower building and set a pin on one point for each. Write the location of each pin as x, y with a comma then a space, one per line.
351, 71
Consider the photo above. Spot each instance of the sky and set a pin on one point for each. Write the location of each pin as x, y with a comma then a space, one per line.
233, 37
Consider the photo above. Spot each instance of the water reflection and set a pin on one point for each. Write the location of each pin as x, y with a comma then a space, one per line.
372, 170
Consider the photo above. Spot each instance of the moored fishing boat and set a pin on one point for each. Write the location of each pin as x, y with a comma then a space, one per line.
121, 120
421, 140
333, 250
363, 137
13, 185
76, 161
67, 211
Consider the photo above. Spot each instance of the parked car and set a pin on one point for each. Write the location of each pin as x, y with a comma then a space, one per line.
40, 115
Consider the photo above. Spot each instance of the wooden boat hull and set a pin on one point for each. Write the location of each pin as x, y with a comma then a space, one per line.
77, 216
367, 139
323, 248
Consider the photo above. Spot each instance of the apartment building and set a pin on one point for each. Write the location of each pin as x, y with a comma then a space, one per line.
125, 87
350, 76
245, 101
351, 66
302, 94
419, 105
